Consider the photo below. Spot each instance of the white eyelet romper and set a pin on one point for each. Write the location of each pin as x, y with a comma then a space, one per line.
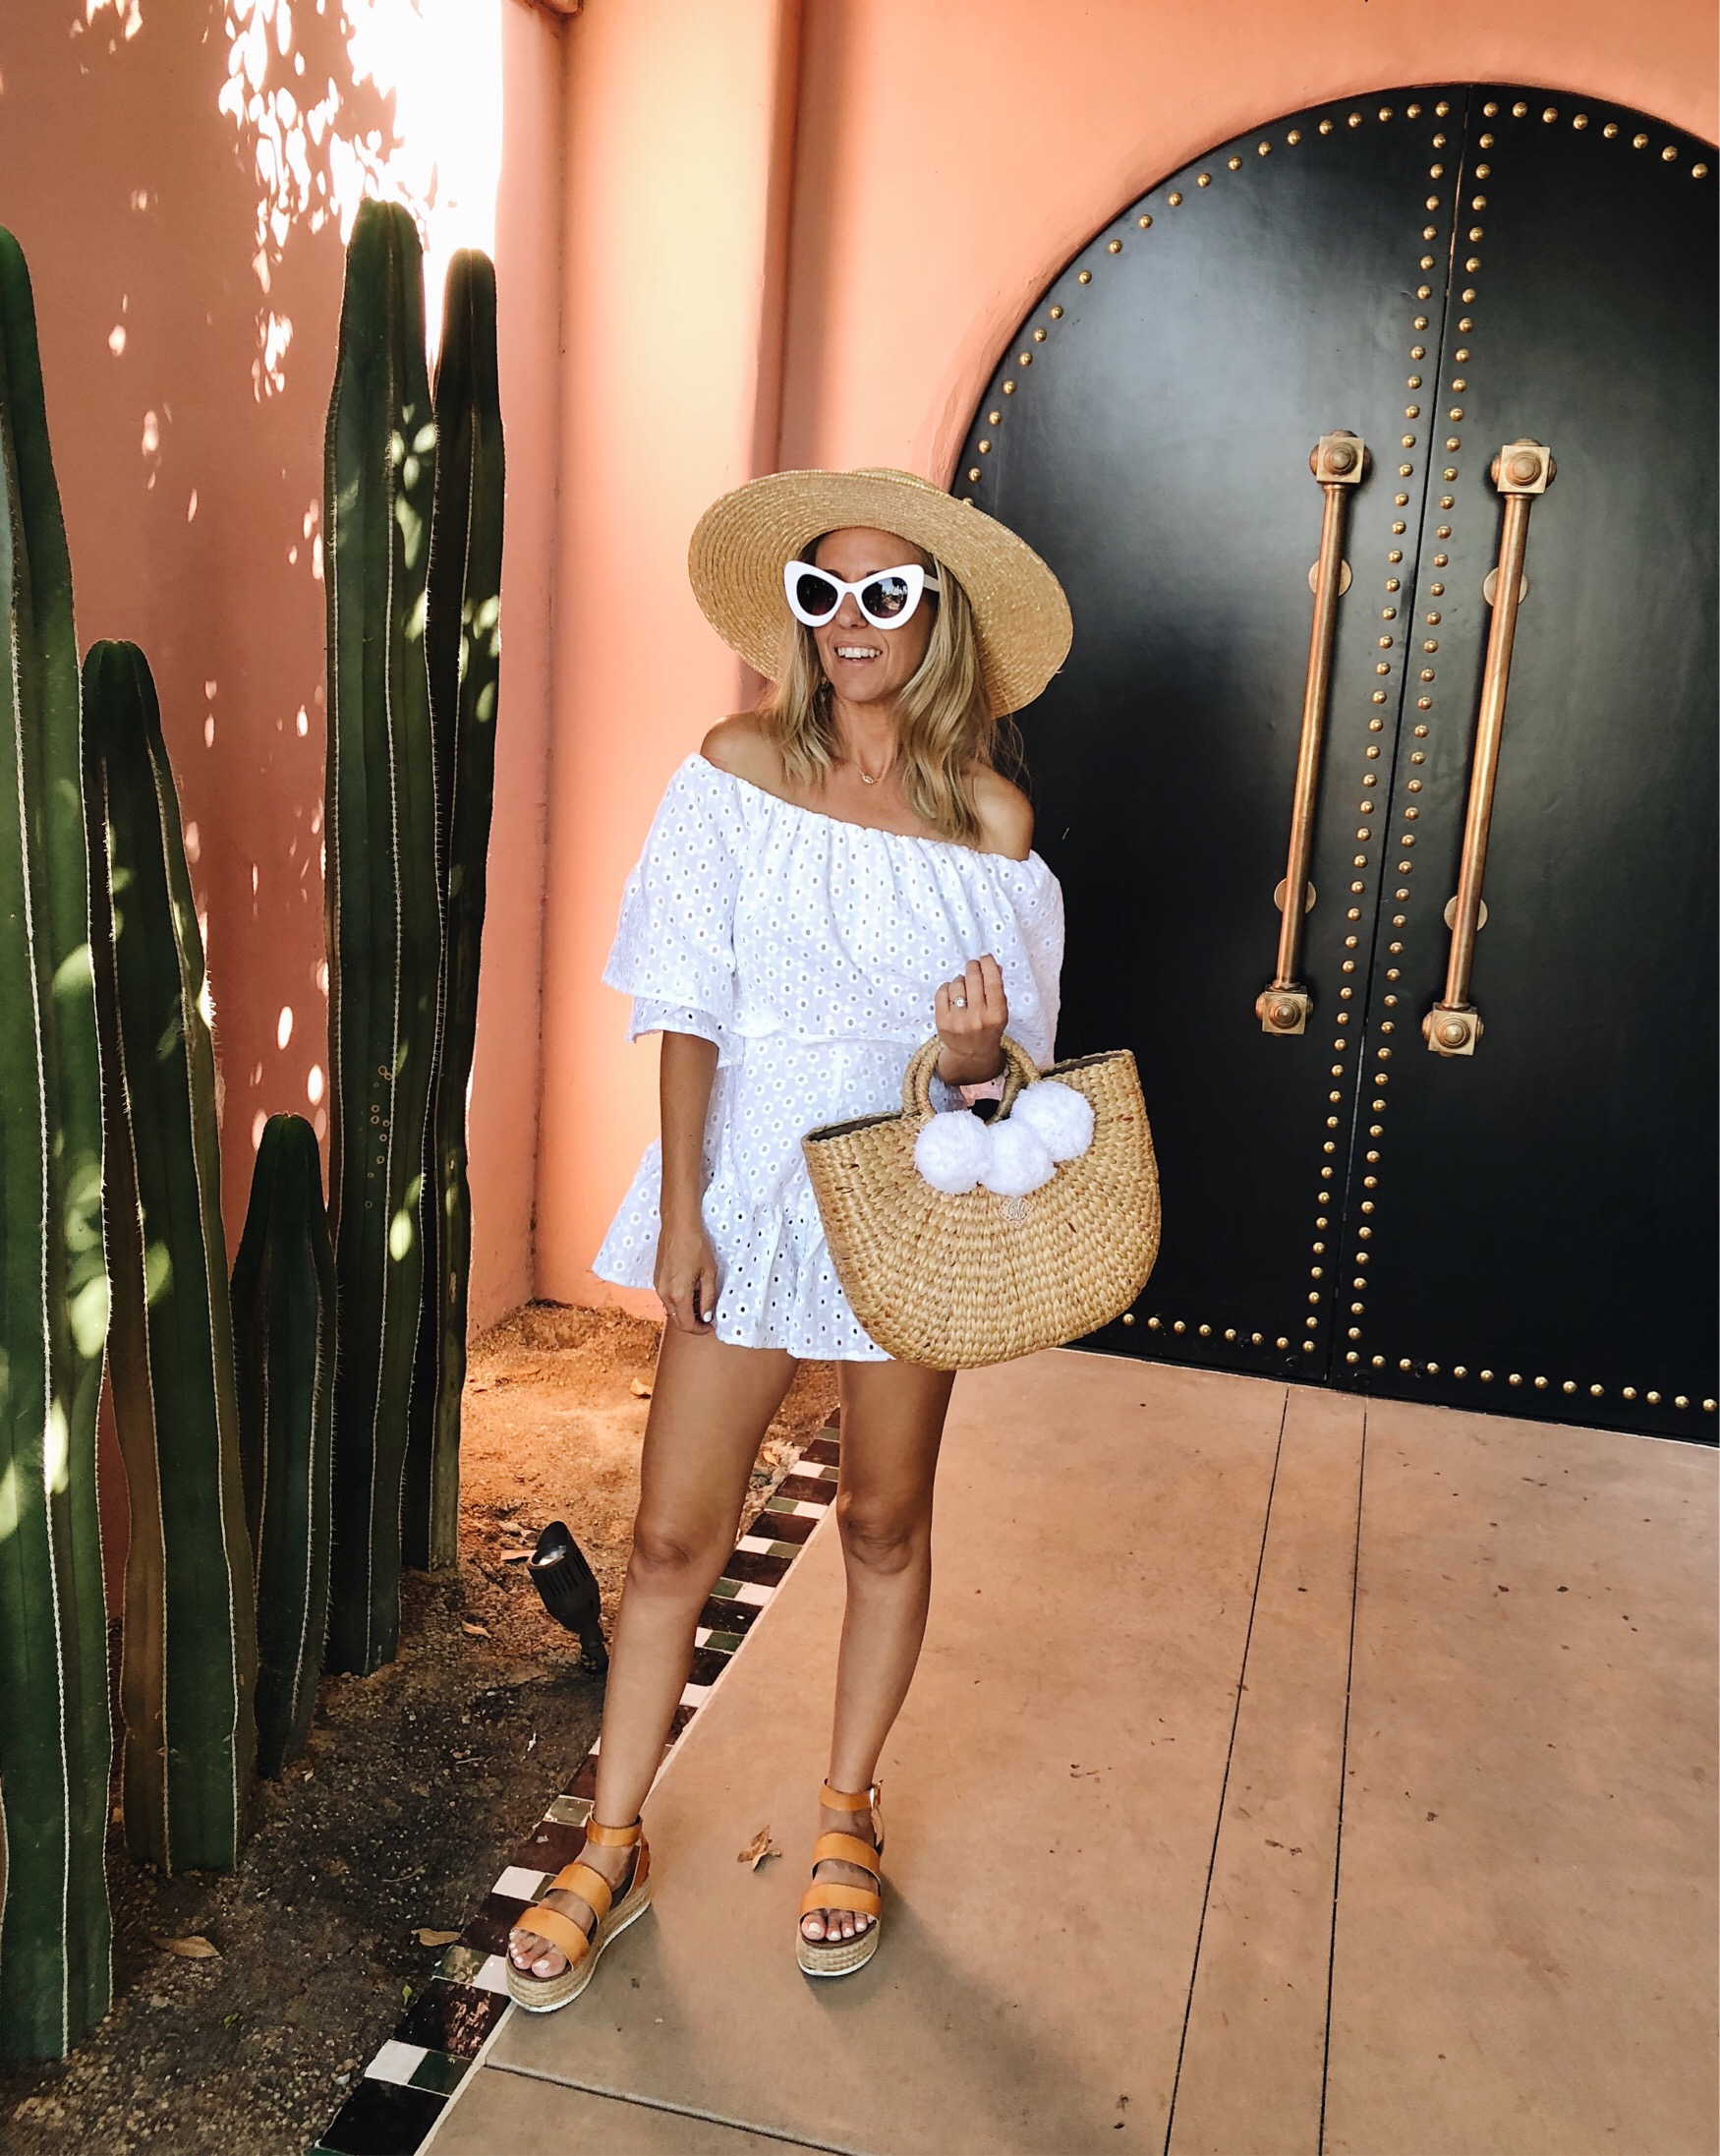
809, 950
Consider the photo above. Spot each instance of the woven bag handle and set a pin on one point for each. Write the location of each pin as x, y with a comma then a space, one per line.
1019, 1069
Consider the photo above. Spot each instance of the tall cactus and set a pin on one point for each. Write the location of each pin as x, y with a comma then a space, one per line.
283, 1338
463, 642
382, 902
188, 1661
55, 1738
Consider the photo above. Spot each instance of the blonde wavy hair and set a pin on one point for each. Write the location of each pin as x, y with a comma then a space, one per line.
944, 723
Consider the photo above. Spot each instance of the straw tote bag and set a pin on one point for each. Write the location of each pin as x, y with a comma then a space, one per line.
959, 1272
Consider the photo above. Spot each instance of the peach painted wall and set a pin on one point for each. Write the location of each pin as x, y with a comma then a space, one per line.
186, 425
678, 142
1019, 130
187, 442
502, 1135
947, 156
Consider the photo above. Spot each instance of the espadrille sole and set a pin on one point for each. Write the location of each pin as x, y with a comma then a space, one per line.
543, 1994
842, 1957
818, 1959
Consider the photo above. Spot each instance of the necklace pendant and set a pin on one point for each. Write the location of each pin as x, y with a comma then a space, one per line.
867, 780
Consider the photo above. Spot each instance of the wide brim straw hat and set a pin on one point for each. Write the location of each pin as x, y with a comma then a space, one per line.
744, 541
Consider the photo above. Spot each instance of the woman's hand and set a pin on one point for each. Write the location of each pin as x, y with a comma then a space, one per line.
685, 1274
685, 1277
971, 1013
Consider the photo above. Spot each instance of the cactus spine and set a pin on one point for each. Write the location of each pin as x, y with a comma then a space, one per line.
283, 1338
463, 641
189, 1664
382, 902
55, 1736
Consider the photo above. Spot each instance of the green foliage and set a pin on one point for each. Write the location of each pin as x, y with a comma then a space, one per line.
463, 642
385, 916
55, 1735
188, 1663
283, 1337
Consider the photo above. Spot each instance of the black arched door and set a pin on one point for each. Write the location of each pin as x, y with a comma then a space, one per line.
1518, 1212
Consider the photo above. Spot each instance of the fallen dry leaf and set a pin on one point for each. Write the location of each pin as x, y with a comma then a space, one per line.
194, 1948
477, 1631
428, 1938
639, 1388
760, 1847
515, 1556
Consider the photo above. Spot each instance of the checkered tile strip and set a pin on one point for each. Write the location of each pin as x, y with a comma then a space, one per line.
407, 2085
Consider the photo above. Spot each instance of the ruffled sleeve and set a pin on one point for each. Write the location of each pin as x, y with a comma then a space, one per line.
673, 952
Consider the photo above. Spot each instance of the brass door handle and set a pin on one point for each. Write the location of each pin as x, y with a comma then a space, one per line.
1339, 462
1521, 471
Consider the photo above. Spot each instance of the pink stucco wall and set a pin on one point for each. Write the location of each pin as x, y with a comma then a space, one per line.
677, 125
947, 157
503, 1131
191, 484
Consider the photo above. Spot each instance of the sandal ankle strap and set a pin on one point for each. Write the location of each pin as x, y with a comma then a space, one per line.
613, 1837
848, 1800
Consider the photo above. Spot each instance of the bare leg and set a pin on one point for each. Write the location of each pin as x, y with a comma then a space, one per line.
892, 1424
710, 1409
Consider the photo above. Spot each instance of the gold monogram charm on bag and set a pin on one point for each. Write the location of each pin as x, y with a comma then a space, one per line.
960, 1243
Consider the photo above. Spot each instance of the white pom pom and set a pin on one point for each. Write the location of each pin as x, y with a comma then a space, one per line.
952, 1151
1058, 1116
1019, 1161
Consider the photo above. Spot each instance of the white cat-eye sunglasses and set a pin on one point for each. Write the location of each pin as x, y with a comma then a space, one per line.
888, 597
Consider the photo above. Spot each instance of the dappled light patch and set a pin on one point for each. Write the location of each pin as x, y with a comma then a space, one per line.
126, 16
409, 112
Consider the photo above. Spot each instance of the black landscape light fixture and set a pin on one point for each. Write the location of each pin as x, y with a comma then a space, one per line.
569, 1588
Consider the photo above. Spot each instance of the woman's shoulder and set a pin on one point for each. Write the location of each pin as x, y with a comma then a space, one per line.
741, 746
744, 746
1005, 815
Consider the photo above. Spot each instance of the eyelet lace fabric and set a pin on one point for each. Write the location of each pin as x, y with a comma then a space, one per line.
809, 950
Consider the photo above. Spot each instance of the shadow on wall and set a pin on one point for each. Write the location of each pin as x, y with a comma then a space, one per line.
182, 175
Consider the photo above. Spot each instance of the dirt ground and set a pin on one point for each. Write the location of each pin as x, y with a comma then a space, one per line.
418, 1783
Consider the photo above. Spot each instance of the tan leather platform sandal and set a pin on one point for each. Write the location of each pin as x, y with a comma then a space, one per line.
542, 1994
842, 1957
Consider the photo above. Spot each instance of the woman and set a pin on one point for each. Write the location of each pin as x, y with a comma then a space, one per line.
829, 878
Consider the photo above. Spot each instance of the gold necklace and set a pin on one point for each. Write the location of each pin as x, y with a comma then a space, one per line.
866, 777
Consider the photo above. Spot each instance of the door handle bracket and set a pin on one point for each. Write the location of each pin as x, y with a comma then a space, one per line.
1339, 462
1523, 471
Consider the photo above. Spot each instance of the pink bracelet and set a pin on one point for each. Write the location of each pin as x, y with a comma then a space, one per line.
991, 1088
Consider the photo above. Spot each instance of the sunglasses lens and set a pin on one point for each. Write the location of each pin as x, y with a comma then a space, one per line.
813, 595
884, 598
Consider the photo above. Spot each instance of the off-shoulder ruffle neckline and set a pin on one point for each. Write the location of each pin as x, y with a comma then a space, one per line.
1030, 861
